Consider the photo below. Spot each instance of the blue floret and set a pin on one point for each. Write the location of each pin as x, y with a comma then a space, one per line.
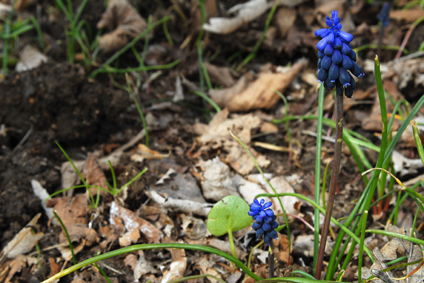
337, 58
265, 223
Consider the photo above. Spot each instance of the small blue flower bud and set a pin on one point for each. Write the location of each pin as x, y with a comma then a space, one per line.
338, 44
356, 70
328, 50
321, 44
347, 62
333, 73
329, 84
352, 55
346, 36
322, 75
346, 49
320, 54
344, 77
337, 57
326, 62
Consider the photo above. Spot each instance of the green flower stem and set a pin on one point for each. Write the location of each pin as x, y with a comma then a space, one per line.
361, 246
318, 172
231, 239
135, 248
71, 247
322, 210
333, 184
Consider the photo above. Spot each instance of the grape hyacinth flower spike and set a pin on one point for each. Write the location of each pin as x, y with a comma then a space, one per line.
265, 223
336, 58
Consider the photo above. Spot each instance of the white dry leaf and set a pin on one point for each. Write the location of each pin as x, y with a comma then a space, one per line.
42, 194
4, 9
30, 58
401, 72
23, 242
132, 222
165, 177
207, 267
126, 22
217, 135
142, 267
217, 181
249, 190
405, 165
303, 245
282, 186
181, 205
261, 255
176, 270
246, 13
179, 94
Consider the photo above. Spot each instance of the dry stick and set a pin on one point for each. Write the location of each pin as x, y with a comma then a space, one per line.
333, 184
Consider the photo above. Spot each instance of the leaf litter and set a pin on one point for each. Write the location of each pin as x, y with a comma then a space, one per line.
193, 161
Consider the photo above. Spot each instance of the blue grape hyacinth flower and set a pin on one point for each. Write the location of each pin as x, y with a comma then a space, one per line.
337, 58
265, 223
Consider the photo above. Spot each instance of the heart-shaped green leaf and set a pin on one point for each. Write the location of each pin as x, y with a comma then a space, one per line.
229, 214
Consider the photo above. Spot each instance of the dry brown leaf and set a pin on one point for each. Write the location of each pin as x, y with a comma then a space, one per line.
71, 210
126, 22
220, 75
18, 264
282, 250
95, 176
66, 252
408, 16
132, 222
178, 265
217, 136
216, 180
77, 232
23, 242
54, 267
194, 228
260, 93
284, 20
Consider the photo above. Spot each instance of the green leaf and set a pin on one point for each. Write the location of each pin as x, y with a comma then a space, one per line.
229, 214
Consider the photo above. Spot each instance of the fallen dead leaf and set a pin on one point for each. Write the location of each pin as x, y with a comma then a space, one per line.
30, 58
18, 264
71, 210
260, 93
220, 75
216, 180
132, 222
95, 176
178, 265
284, 19
125, 21
23, 242
180, 205
408, 16
216, 135
54, 267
